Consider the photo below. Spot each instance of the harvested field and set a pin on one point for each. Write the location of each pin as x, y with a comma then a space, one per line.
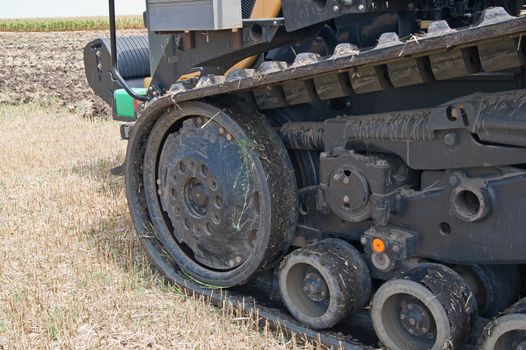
42, 67
72, 274
67, 24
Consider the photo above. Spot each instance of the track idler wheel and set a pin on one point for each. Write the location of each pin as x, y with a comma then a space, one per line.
219, 189
507, 332
428, 307
323, 283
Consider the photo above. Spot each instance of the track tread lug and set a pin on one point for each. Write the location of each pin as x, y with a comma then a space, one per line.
438, 28
306, 58
332, 86
177, 88
345, 49
494, 15
270, 96
209, 80
268, 67
240, 74
369, 79
409, 71
502, 54
387, 40
299, 91
455, 63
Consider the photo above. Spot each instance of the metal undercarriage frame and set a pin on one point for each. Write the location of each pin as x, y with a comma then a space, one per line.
259, 297
455, 163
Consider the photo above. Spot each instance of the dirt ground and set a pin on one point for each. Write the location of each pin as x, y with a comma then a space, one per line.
36, 67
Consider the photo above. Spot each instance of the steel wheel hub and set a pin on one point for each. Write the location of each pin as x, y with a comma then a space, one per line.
416, 319
208, 190
315, 287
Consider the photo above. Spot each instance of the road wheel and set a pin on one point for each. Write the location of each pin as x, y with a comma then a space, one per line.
323, 283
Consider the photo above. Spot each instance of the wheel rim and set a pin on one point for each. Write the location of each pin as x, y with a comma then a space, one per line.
439, 293
323, 283
515, 340
210, 192
308, 290
416, 325
507, 332
274, 182
391, 307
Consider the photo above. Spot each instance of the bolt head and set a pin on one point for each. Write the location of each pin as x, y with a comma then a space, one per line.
454, 180
361, 7
451, 139
336, 8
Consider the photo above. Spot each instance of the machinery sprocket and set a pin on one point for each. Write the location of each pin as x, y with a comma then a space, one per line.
221, 200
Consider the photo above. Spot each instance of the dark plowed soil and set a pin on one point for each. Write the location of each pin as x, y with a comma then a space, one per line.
49, 67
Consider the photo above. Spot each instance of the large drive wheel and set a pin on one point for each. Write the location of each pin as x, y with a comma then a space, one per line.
507, 332
429, 307
323, 283
219, 190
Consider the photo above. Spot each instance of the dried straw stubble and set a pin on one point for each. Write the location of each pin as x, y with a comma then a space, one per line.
72, 274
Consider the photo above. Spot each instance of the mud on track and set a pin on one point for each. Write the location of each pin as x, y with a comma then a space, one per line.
45, 67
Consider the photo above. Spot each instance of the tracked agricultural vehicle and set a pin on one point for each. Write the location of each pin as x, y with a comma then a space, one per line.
355, 169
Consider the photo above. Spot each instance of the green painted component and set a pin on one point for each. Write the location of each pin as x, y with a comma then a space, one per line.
125, 105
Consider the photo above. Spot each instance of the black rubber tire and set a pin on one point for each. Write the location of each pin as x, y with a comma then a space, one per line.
280, 200
441, 292
498, 286
506, 332
346, 276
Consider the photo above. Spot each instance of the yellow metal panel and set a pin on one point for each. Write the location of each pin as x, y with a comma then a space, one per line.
266, 9
147, 82
262, 9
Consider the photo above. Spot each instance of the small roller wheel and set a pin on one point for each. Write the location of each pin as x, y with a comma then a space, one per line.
428, 307
507, 332
495, 287
323, 283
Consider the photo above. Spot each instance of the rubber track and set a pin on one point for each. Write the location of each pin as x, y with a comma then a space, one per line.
443, 53
494, 44
241, 300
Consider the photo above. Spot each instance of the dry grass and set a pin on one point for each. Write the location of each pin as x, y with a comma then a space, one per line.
72, 275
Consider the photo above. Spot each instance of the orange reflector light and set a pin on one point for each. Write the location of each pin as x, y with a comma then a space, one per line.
378, 245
